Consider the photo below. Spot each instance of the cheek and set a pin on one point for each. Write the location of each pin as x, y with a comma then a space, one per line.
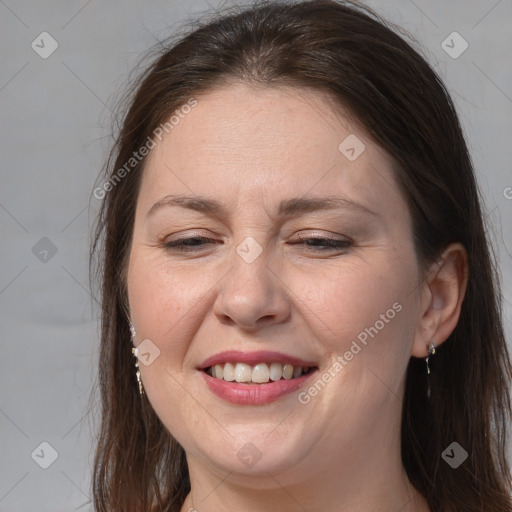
162, 302
162, 305
364, 315
355, 301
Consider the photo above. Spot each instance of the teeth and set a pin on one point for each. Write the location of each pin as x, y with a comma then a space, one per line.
229, 372
276, 371
257, 374
218, 371
287, 371
243, 372
260, 373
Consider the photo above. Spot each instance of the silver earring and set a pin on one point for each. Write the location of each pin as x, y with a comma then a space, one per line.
135, 352
431, 351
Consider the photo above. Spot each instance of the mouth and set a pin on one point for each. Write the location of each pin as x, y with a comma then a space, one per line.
255, 378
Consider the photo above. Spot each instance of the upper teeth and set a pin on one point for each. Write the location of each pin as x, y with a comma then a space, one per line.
259, 373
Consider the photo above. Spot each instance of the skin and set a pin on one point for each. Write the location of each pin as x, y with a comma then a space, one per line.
250, 148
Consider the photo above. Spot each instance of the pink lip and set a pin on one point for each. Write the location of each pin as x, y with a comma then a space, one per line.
254, 394
252, 358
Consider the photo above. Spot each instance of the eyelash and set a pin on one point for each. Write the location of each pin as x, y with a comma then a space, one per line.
331, 244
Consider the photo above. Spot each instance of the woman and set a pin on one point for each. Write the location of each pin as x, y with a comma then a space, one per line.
293, 249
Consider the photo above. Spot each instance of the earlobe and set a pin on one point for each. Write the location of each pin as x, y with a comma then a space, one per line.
444, 290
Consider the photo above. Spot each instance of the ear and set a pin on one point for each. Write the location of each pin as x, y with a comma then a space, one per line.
441, 299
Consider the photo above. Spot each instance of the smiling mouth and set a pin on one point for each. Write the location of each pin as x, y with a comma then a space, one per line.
261, 373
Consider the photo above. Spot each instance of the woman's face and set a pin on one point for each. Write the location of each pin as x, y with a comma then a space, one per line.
298, 253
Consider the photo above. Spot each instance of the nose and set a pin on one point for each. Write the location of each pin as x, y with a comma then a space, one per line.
252, 296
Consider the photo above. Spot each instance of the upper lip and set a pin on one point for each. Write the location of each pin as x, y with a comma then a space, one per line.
252, 358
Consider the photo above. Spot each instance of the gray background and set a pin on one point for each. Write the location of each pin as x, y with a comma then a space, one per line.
55, 126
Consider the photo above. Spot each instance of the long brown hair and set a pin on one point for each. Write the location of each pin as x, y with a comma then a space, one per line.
347, 51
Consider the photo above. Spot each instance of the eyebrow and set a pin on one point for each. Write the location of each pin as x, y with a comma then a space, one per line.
287, 207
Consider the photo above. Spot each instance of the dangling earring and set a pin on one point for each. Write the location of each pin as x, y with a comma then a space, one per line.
431, 351
135, 352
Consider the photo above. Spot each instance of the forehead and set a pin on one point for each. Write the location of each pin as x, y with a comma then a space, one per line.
242, 144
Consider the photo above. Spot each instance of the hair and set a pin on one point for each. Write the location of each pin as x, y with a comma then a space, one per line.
364, 65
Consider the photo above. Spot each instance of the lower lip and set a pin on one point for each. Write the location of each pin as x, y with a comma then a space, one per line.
254, 394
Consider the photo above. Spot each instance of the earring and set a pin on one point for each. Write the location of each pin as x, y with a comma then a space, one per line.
431, 351
135, 352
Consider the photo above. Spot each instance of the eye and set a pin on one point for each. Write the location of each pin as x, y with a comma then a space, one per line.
189, 244
324, 244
